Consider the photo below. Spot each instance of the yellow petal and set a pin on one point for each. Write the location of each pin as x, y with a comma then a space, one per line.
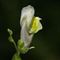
36, 25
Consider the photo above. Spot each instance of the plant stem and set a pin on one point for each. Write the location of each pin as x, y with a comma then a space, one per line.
16, 47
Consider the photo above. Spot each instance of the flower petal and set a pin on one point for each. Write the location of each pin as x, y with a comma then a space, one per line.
36, 25
27, 14
26, 38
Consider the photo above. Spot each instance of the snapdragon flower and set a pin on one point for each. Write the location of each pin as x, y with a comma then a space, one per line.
29, 24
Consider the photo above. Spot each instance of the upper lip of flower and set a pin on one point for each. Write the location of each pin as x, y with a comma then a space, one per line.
27, 14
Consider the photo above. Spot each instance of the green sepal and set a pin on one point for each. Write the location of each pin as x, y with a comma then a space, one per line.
21, 47
24, 50
16, 57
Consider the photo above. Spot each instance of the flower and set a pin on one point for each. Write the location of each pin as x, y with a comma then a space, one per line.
29, 24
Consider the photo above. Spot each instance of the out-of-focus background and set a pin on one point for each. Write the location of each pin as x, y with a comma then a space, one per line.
46, 41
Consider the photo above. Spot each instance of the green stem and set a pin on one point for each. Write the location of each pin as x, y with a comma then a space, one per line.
16, 47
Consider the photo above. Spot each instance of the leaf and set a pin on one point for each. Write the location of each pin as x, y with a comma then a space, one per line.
16, 57
20, 43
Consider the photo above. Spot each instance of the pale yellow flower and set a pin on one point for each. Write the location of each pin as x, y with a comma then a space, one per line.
29, 24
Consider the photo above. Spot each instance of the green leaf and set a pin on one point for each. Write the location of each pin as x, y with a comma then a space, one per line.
16, 57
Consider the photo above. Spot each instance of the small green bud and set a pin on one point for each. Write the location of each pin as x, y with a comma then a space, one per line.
10, 37
10, 31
